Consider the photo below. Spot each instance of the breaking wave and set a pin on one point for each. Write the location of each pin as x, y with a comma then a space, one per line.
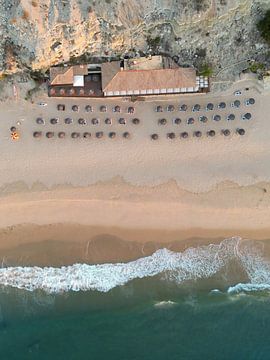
193, 264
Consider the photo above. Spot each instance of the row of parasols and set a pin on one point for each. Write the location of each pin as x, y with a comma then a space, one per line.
204, 119
81, 121
127, 135
199, 134
77, 135
208, 107
102, 108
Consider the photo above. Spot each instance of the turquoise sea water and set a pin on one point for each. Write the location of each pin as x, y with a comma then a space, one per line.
170, 314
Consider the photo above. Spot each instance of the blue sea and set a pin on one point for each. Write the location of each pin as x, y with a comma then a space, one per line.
209, 302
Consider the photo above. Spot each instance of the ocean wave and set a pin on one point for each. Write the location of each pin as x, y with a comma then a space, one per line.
194, 263
165, 304
248, 288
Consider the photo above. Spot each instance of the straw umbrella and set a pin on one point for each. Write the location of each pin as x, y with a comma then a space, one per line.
95, 121
126, 135
170, 108
222, 105
211, 133
247, 116
99, 134
159, 108
236, 103
88, 108
240, 132
54, 121
61, 135
87, 135
190, 121
184, 135
75, 135
117, 108
196, 107
231, 117
40, 121
75, 108
177, 121
131, 110
250, 101
82, 121
68, 121
122, 121
183, 107
203, 119
50, 134
162, 122
216, 117
112, 135
171, 135
135, 121
37, 134
103, 108
197, 133
61, 107
108, 121
225, 132
154, 136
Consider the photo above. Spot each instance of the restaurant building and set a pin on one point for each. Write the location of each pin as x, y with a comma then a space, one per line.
151, 75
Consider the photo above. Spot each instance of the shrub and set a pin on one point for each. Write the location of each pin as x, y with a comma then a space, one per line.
206, 70
264, 27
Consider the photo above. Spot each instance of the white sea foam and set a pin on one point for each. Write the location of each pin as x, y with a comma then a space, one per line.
193, 264
165, 304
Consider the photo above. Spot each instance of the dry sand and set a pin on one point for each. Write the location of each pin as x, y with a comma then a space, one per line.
116, 201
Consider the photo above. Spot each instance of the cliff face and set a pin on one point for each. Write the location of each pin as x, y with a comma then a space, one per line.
40, 33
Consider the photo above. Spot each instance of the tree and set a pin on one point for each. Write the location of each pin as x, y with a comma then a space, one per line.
264, 27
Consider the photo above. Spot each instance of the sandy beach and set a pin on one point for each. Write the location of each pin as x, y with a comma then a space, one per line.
123, 199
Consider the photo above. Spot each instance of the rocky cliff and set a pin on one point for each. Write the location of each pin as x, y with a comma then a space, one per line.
39, 33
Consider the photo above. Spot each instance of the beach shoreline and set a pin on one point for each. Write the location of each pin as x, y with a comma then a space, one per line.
119, 222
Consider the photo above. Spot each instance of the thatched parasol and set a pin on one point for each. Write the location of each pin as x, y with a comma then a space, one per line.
75, 135
50, 134
177, 121
99, 134
112, 135
75, 108
162, 121
190, 121
40, 121
61, 135
108, 121
88, 108
211, 133
154, 136
82, 121
95, 121
37, 134
184, 135
135, 121
87, 135
122, 121
225, 132
171, 135
126, 135
209, 106
216, 117
68, 121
